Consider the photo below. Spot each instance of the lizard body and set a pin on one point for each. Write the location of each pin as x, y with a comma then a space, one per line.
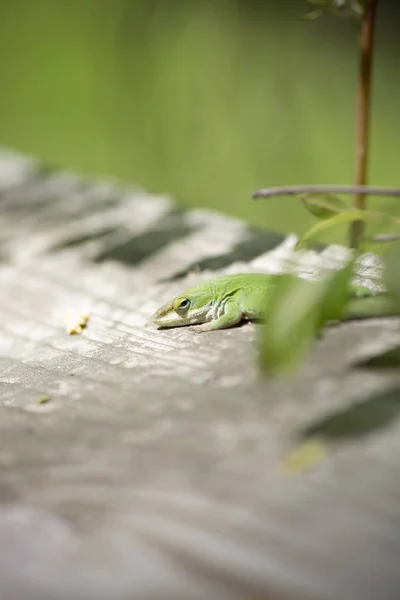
225, 301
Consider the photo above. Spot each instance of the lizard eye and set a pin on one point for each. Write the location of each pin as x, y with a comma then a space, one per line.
182, 304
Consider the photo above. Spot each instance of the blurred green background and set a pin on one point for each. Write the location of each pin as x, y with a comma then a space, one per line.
206, 100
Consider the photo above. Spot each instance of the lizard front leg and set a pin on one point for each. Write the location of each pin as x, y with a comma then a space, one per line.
232, 316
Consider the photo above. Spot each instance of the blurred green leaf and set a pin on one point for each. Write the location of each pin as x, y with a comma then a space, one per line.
336, 292
297, 310
340, 219
324, 206
290, 326
392, 271
359, 291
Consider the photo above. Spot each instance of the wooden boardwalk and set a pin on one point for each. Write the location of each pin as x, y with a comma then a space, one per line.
151, 473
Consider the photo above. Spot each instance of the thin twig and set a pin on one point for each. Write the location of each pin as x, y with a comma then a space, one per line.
363, 114
293, 190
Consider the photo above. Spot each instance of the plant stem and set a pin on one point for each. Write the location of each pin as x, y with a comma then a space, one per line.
363, 114
292, 190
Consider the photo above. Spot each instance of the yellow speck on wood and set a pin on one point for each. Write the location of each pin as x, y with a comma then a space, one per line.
43, 399
306, 456
75, 322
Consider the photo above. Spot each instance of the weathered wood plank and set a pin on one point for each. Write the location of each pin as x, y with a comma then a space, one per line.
152, 471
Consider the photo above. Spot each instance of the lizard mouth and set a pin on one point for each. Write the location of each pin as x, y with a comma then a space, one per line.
160, 318
170, 318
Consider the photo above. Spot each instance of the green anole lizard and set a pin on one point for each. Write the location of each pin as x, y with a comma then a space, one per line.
225, 301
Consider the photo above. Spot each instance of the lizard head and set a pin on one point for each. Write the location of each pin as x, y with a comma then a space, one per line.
192, 307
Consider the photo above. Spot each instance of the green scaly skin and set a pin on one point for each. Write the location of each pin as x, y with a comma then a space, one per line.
226, 301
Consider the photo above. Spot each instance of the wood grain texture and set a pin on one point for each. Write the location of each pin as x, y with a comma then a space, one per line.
152, 471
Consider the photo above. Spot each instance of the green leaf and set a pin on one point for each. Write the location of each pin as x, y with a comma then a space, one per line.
290, 326
341, 219
359, 291
335, 291
392, 271
324, 206
297, 310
